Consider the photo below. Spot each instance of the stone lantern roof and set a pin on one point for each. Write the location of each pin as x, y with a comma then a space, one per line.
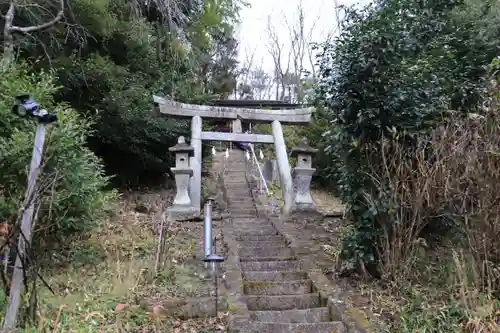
303, 148
182, 147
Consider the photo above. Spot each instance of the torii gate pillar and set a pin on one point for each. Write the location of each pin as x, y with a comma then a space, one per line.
195, 163
283, 167
277, 117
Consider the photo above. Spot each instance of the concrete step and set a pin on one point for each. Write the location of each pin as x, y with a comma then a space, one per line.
248, 223
279, 243
314, 315
298, 287
267, 258
255, 220
267, 266
237, 212
256, 232
282, 302
274, 276
242, 212
243, 215
262, 251
263, 327
259, 230
259, 238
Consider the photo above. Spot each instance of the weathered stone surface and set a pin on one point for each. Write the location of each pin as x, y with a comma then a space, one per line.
261, 243
259, 237
274, 276
283, 167
314, 315
195, 163
248, 222
255, 232
262, 230
290, 265
237, 137
266, 252
262, 327
181, 213
277, 287
290, 116
283, 302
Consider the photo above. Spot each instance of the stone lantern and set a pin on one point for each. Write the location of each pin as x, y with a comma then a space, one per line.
302, 175
182, 206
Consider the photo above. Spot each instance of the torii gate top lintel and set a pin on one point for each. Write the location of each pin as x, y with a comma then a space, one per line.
236, 114
300, 116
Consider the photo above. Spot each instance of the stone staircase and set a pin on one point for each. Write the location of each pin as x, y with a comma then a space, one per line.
278, 294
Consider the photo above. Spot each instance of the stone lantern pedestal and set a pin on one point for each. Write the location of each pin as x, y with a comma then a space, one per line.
182, 207
302, 175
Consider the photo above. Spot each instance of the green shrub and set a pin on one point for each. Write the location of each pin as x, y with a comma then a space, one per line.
72, 182
125, 126
395, 68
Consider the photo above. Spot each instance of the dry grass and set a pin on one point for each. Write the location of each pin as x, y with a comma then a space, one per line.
437, 282
451, 283
326, 203
109, 284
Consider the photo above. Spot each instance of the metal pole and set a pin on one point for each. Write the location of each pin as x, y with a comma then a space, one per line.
207, 229
10, 319
214, 252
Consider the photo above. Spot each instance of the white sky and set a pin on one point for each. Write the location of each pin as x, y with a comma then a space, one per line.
253, 35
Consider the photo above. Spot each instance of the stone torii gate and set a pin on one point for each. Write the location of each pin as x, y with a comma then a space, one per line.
300, 116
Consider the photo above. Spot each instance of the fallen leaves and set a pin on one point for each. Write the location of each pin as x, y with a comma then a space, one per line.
201, 325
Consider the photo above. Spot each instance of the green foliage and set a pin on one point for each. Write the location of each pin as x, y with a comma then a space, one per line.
420, 315
111, 56
396, 66
72, 182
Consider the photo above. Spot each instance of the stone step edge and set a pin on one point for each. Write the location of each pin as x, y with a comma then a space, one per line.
271, 258
354, 319
276, 282
266, 327
321, 313
330, 294
237, 308
246, 273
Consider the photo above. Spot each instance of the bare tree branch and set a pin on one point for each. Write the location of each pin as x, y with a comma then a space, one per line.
10, 29
298, 50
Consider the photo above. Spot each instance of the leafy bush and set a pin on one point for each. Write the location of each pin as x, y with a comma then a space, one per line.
72, 182
395, 68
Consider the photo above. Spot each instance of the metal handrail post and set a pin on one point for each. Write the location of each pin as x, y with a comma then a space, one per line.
261, 175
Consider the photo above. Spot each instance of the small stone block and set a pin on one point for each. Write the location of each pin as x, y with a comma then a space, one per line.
178, 212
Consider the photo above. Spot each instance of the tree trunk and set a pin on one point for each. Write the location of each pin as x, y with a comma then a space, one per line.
8, 40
